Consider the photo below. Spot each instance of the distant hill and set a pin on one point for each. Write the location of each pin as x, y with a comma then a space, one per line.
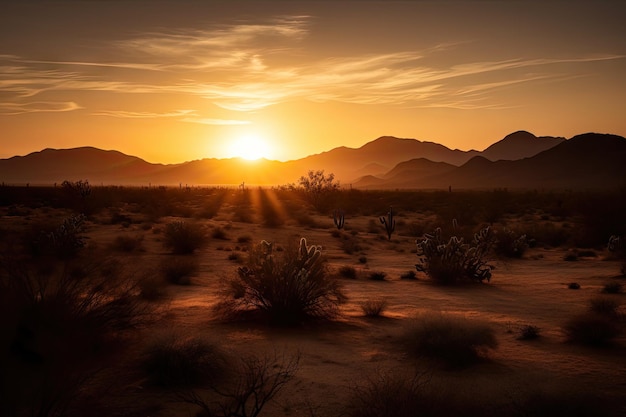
519, 145
585, 161
588, 161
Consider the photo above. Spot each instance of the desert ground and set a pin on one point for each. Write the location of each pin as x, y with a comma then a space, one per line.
340, 359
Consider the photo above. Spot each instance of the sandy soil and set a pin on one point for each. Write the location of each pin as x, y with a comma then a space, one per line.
336, 356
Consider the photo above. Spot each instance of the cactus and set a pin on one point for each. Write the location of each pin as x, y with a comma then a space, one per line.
389, 223
338, 218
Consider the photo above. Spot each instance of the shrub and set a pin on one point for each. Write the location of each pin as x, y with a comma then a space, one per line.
409, 275
219, 233
179, 270
257, 382
391, 395
604, 305
591, 329
183, 238
573, 286
453, 261
363, 259
510, 244
173, 360
347, 272
528, 332
374, 307
456, 341
58, 328
613, 287
288, 289
126, 243
377, 276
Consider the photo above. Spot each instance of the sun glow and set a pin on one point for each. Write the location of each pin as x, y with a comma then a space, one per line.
250, 146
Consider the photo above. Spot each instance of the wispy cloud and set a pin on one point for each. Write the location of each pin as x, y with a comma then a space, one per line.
247, 67
37, 107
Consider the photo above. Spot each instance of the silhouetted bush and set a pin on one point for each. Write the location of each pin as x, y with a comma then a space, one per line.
374, 307
591, 329
612, 287
604, 305
510, 244
456, 341
528, 332
573, 286
183, 238
288, 289
347, 272
179, 270
126, 243
377, 276
453, 261
172, 360
408, 275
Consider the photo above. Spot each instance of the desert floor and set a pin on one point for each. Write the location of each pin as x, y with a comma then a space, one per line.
339, 355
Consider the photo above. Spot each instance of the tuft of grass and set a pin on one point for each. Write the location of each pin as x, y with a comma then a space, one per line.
604, 305
127, 243
171, 360
591, 329
573, 286
347, 271
183, 238
179, 270
409, 275
378, 276
529, 332
374, 307
219, 233
613, 287
456, 341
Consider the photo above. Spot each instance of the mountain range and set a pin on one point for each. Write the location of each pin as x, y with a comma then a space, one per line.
519, 160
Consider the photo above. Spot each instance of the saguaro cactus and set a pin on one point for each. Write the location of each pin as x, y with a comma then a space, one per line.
389, 222
338, 218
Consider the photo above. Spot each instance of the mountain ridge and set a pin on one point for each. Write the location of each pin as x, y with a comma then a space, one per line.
363, 167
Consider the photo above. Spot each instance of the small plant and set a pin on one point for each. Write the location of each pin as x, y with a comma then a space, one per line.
456, 341
288, 289
183, 238
604, 305
378, 276
347, 272
219, 233
179, 270
389, 222
591, 329
409, 275
529, 332
613, 287
453, 261
244, 239
573, 286
374, 307
362, 259
171, 360
234, 256
339, 218
510, 244
126, 243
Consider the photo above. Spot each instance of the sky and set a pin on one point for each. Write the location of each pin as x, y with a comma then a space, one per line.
173, 81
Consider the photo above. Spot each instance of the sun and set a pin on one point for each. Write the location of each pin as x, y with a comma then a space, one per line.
250, 146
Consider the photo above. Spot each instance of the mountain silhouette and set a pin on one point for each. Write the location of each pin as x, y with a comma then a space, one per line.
589, 160
519, 145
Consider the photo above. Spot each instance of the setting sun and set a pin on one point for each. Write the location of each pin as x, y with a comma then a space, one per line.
250, 146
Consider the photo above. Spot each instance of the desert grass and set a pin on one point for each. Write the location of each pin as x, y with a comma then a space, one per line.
183, 238
454, 340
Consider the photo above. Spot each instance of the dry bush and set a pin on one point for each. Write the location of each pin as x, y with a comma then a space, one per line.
613, 287
591, 329
377, 275
456, 341
510, 244
452, 261
179, 270
287, 289
58, 328
127, 243
173, 360
256, 382
183, 238
347, 271
529, 332
604, 305
374, 307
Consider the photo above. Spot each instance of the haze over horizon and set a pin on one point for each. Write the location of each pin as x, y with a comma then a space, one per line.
178, 81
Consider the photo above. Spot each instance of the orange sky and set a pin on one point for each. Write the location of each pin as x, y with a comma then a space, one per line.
176, 81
